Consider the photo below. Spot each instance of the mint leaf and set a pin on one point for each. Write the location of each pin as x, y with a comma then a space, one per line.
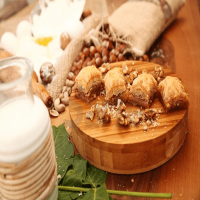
95, 176
99, 193
77, 172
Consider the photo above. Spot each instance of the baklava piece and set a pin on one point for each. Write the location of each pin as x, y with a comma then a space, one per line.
88, 83
115, 85
172, 94
143, 90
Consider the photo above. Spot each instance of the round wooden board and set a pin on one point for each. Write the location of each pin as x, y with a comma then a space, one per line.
127, 150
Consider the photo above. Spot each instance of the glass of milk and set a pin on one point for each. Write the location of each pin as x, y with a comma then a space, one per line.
24, 119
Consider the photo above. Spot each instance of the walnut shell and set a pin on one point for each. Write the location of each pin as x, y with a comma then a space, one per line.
47, 72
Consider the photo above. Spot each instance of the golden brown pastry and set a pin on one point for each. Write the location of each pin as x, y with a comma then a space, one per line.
88, 83
172, 93
143, 90
114, 85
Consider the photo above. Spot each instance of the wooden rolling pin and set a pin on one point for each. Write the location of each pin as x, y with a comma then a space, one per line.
41, 91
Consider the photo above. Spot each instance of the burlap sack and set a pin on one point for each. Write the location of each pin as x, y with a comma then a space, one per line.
64, 63
140, 22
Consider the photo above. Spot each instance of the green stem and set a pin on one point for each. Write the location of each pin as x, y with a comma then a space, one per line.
124, 193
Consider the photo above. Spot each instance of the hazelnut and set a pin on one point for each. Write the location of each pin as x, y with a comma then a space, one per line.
47, 72
79, 66
76, 72
93, 61
110, 45
112, 58
82, 57
99, 49
64, 40
74, 77
121, 48
104, 52
96, 55
115, 52
73, 68
145, 57
98, 61
121, 57
86, 12
77, 59
92, 51
86, 52
86, 61
105, 59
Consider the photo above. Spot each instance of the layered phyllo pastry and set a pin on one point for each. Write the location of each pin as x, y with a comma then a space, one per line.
88, 83
172, 94
143, 90
115, 85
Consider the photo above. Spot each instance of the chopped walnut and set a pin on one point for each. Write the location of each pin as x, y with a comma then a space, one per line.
103, 114
129, 78
123, 118
158, 73
134, 119
120, 105
90, 114
150, 113
127, 69
104, 68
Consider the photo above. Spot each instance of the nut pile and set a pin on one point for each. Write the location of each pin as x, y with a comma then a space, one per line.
109, 51
105, 53
63, 99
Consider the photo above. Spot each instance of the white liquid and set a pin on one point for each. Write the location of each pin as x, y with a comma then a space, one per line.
24, 125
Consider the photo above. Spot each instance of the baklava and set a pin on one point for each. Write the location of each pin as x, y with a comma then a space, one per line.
115, 85
172, 94
143, 90
88, 83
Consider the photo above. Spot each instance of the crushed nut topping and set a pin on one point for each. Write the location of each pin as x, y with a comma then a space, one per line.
158, 73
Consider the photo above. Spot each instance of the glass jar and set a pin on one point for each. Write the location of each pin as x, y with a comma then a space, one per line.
24, 121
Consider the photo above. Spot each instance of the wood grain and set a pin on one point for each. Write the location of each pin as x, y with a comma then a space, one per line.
127, 150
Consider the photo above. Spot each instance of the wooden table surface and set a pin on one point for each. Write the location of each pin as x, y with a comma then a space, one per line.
180, 175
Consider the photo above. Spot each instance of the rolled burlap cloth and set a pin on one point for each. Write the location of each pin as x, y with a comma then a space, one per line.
140, 22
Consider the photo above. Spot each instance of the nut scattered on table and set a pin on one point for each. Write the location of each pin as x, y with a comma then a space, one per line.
59, 106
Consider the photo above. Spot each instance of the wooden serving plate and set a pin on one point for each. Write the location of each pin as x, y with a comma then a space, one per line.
127, 150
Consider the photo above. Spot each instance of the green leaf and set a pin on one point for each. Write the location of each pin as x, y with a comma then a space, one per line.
62, 195
76, 173
62, 166
64, 150
99, 193
95, 176
63, 147
67, 195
